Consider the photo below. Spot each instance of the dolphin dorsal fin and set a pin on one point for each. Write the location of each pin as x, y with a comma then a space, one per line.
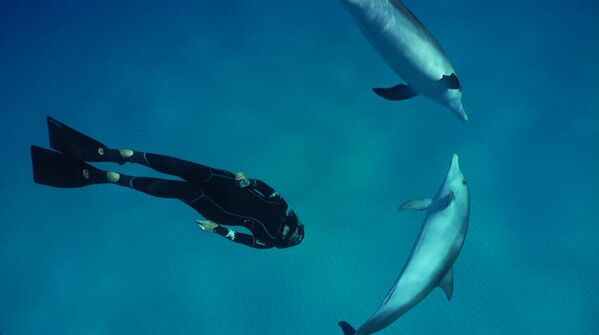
446, 284
418, 204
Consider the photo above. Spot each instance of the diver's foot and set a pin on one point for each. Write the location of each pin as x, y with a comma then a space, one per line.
126, 154
113, 177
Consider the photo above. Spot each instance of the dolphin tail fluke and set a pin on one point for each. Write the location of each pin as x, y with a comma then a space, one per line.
347, 328
396, 93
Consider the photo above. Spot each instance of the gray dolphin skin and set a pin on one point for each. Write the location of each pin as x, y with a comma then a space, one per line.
410, 50
431, 262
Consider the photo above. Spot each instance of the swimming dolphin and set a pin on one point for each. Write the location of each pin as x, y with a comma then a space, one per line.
410, 50
431, 262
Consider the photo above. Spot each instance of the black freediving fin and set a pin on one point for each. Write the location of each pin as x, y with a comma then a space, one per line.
396, 93
77, 145
451, 82
347, 328
55, 169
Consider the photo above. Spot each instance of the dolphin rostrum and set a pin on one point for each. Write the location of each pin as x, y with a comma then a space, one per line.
431, 262
410, 50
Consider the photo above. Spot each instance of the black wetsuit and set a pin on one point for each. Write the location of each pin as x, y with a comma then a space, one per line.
216, 195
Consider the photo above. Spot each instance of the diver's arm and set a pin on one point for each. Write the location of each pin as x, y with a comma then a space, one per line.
241, 238
232, 235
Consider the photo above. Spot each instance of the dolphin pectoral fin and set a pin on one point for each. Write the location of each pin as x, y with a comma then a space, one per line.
418, 204
396, 93
444, 202
451, 81
450, 197
447, 284
347, 328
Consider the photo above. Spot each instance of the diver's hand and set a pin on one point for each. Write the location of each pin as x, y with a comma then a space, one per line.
241, 180
206, 225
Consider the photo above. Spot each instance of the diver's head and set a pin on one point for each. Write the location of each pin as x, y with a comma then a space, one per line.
293, 232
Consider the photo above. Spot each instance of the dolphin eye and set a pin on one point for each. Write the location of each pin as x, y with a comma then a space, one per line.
464, 182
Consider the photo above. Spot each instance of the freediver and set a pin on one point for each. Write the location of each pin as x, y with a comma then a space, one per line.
221, 197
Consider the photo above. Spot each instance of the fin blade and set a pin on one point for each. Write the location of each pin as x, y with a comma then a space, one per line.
55, 169
347, 328
418, 204
72, 142
396, 93
451, 81
446, 284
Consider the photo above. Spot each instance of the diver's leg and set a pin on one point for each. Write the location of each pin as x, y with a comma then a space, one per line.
162, 188
189, 192
174, 166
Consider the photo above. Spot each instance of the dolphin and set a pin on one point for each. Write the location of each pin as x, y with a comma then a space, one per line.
410, 50
431, 262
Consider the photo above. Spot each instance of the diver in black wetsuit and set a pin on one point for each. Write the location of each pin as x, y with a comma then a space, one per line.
223, 198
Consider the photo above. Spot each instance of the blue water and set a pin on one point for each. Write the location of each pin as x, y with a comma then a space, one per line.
281, 90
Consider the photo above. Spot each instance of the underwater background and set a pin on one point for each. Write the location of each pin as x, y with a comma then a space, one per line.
281, 91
